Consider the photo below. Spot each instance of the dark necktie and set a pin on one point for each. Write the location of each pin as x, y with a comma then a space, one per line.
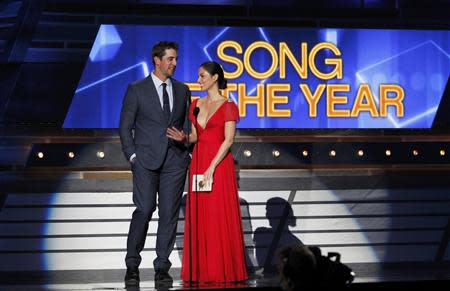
166, 104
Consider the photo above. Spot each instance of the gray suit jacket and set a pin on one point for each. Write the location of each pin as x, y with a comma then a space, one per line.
142, 111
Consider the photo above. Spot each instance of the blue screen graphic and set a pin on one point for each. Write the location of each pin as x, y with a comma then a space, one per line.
279, 77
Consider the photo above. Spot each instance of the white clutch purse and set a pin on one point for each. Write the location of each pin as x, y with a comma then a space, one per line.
200, 186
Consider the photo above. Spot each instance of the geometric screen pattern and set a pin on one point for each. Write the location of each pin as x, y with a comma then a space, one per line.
279, 77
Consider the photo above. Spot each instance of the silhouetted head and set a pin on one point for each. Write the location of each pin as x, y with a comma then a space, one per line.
297, 267
276, 209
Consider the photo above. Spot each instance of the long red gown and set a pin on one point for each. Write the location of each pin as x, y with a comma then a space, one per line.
217, 237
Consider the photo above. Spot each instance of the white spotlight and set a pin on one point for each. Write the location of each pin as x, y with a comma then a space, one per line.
100, 154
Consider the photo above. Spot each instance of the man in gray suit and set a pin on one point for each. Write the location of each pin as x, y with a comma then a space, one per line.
159, 165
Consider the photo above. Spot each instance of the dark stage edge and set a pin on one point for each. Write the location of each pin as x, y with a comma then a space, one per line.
397, 276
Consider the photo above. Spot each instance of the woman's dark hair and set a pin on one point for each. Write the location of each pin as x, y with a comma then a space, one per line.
214, 68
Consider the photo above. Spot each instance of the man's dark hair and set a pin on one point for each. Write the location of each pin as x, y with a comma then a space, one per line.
159, 49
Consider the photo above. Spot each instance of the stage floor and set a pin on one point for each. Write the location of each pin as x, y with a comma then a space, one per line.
368, 277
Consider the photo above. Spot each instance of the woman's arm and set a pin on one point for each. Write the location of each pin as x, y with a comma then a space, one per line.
192, 135
229, 131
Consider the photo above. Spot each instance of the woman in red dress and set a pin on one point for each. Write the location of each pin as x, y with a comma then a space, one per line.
213, 241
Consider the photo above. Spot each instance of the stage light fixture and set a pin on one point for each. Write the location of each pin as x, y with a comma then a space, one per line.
71, 155
100, 154
305, 153
360, 153
442, 152
247, 153
332, 153
388, 153
276, 153
415, 152
40, 155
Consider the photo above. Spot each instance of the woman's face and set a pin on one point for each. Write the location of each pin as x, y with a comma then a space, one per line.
205, 79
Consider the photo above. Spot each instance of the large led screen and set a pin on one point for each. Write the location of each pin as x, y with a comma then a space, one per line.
279, 77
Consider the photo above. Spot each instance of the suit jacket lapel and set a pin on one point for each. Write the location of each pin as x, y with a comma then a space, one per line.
150, 90
176, 100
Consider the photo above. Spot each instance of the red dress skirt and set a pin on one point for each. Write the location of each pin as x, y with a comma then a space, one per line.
217, 248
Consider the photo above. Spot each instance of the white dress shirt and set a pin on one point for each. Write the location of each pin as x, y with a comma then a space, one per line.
159, 89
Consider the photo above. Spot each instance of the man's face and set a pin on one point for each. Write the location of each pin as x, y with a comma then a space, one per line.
166, 66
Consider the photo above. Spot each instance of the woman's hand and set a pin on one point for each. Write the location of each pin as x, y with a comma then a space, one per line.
175, 134
208, 175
